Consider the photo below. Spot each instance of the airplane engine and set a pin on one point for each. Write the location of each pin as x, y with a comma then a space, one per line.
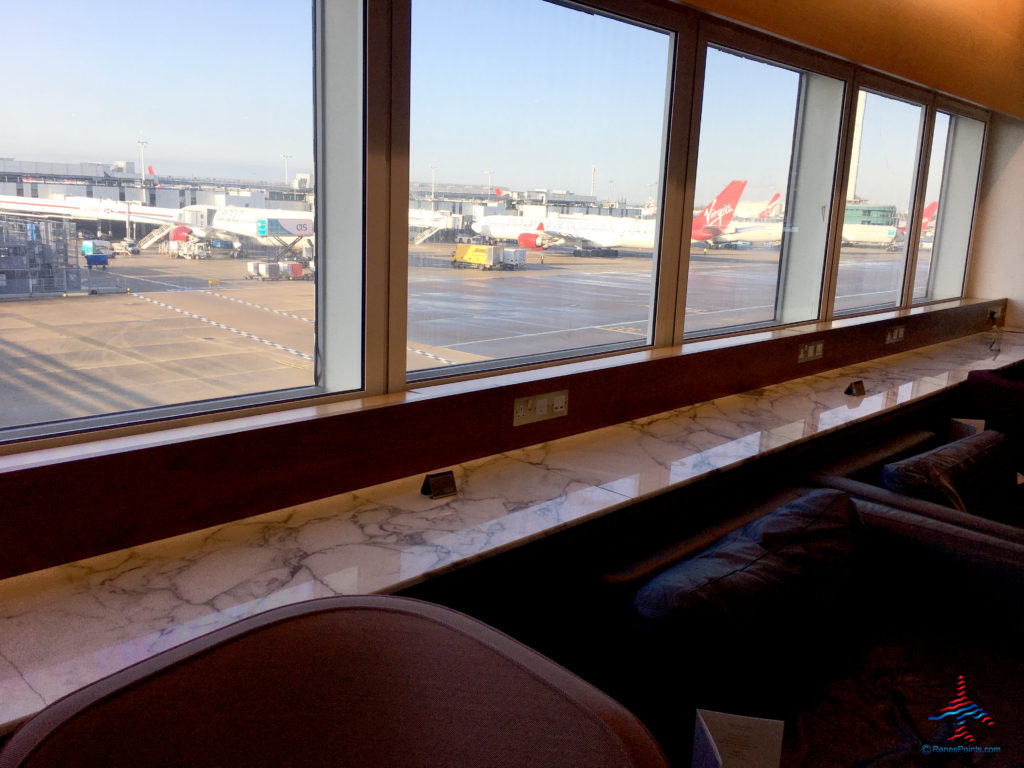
179, 234
534, 240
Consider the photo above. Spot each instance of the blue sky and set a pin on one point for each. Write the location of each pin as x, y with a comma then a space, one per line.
217, 87
531, 91
537, 93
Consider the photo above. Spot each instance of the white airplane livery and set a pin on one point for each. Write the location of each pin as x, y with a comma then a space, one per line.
591, 231
263, 224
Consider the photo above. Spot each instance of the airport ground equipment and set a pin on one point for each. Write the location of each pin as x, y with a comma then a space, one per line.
277, 270
488, 257
38, 257
127, 245
96, 253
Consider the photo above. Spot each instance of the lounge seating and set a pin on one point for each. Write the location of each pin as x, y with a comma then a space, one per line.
354, 681
849, 621
970, 482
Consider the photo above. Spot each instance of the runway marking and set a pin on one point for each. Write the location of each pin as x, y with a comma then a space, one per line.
608, 327
260, 306
624, 329
149, 280
432, 356
207, 320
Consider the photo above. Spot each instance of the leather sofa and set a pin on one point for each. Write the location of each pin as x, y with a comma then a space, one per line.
852, 622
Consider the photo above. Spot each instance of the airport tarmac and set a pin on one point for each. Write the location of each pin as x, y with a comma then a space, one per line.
197, 330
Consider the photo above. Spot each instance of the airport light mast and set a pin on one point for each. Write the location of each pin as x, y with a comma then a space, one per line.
142, 160
490, 175
142, 172
286, 158
433, 173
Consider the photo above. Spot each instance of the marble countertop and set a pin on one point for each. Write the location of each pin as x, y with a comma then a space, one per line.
64, 627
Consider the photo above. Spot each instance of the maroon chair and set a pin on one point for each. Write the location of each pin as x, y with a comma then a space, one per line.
353, 681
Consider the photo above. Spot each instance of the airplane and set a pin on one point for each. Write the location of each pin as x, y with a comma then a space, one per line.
880, 234
265, 225
592, 231
757, 231
752, 209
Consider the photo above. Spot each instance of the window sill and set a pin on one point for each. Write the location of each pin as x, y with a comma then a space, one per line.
106, 612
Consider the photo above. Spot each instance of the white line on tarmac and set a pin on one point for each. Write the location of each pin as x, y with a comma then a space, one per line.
207, 320
259, 306
606, 326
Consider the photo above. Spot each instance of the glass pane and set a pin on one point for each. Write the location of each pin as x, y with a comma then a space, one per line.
533, 224
883, 167
758, 240
156, 206
952, 187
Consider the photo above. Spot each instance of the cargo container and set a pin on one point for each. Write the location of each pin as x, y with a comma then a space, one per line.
290, 270
97, 253
488, 257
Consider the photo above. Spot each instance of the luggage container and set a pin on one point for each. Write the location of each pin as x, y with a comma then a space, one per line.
290, 270
269, 271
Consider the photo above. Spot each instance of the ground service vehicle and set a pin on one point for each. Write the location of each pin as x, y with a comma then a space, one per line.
488, 257
97, 253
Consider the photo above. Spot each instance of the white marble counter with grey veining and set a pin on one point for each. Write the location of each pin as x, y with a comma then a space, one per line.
64, 627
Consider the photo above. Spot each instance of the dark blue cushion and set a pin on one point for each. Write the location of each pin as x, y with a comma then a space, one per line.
785, 560
974, 474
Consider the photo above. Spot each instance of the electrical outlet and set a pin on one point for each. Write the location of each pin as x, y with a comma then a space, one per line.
813, 350
527, 410
895, 334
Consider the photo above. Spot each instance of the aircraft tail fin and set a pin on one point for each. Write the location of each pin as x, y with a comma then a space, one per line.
718, 213
773, 205
929, 214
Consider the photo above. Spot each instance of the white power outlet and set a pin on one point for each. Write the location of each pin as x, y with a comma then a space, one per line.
895, 334
540, 407
811, 351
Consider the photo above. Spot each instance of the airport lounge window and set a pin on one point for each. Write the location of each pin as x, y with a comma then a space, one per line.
156, 207
765, 174
879, 196
949, 207
535, 165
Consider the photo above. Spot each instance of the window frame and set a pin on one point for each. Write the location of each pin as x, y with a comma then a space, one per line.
723, 34
384, 84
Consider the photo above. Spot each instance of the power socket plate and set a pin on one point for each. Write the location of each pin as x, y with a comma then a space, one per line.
550, 405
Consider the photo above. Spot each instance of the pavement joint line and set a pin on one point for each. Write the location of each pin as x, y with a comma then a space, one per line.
214, 323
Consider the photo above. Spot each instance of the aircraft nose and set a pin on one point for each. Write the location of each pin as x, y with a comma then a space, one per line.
475, 226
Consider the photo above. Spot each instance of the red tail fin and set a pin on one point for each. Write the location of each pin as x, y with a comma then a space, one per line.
929, 214
772, 205
718, 213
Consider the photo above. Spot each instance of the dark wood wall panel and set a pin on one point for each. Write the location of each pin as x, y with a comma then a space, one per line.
96, 501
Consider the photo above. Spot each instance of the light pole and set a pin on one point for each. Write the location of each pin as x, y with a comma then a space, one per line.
142, 160
490, 175
433, 174
286, 158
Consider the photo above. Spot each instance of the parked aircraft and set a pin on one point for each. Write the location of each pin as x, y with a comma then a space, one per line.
879, 234
266, 225
590, 231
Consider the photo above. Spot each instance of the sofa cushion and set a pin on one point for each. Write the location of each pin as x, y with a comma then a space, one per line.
771, 562
974, 474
